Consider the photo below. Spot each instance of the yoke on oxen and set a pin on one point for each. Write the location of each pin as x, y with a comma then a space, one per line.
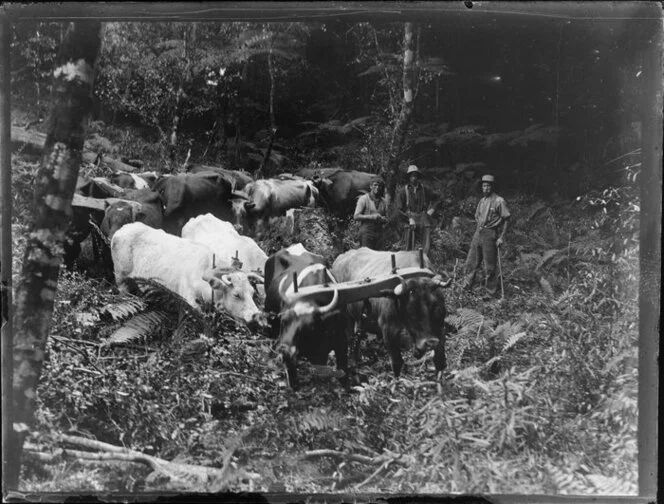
343, 293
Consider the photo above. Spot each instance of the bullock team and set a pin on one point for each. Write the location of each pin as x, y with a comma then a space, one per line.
189, 232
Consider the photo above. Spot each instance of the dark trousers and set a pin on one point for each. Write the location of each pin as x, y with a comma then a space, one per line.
483, 249
371, 238
421, 232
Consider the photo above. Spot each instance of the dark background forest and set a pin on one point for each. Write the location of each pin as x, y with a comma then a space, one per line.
541, 396
546, 104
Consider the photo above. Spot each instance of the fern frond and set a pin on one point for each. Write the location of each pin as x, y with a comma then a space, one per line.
565, 482
549, 254
321, 420
123, 309
465, 317
608, 485
513, 340
466, 373
140, 326
546, 286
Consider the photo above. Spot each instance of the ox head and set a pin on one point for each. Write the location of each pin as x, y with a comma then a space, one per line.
311, 194
421, 308
119, 213
122, 179
300, 319
233, 292
239, 205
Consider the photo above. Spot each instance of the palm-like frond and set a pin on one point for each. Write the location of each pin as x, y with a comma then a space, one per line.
143, 325
321, 420
465, 318
125, 308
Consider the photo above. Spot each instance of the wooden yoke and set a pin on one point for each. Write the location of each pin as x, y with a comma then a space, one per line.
359, 290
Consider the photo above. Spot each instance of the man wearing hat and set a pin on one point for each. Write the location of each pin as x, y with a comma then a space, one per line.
370, 211
416, 204
491, 217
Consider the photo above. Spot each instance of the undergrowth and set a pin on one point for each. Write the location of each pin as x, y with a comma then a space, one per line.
540, 395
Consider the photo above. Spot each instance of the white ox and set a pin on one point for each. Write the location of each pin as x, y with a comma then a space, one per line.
273, 198
185, 267
222, 238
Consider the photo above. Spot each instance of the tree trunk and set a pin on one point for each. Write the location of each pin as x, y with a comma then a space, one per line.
401, 126
189, 40
262, 171
71, 100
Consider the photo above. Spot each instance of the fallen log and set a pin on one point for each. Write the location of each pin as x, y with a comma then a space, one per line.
36, 141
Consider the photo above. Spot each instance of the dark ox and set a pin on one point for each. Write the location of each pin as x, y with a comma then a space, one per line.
142, 205
413, 317
339, 190
304, 328
238, 179
312, 173
79, 228
272, 198
188, 195
128, 180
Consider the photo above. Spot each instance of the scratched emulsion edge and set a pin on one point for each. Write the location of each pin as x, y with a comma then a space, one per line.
650, 259
5, 236
236, 11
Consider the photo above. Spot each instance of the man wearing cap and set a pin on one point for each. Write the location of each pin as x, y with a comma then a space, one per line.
416, 203
491, 217
370, 211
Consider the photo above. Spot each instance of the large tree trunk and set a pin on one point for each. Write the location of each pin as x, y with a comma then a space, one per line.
401, 126
55, 182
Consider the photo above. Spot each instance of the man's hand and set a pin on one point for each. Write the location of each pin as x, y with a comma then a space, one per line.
411, 221
430, 212
499, 242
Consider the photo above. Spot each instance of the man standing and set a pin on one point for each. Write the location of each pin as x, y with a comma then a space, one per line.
370, 211
417, 206
491, 217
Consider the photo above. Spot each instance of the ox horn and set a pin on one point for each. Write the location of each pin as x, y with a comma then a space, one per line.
256, 277
400, 289
282, 290
438, 280
333, 303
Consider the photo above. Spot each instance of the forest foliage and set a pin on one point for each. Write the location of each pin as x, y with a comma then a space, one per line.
332, 92
541, 391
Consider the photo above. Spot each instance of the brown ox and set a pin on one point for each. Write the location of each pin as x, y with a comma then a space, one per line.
412, 318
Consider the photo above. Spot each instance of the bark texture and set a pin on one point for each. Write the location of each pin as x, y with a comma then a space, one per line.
54, 187
403, 121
